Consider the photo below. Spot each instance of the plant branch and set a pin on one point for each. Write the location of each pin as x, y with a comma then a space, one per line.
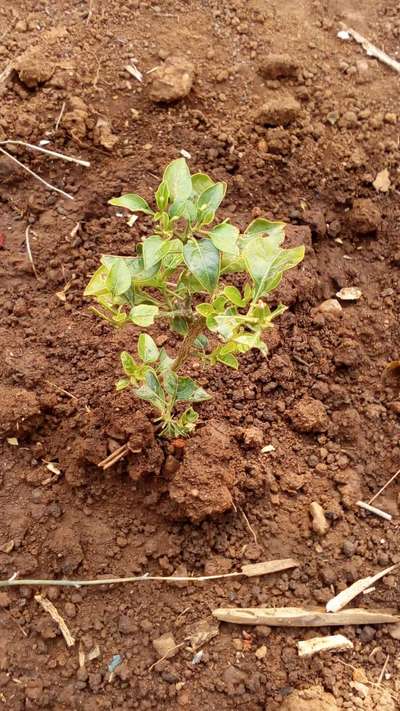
187, 343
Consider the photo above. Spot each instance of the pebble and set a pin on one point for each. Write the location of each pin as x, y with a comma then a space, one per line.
319, 522
165, 645
261, 652
331, 307
172, 81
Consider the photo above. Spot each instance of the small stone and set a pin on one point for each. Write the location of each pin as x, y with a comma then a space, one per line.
359, 674
172, 81
364, 217
70, 609
319, 522
253, 437
394, 631
348, 548
331, 307
165, 645
390, 118
263, 631
278, 66
367, 634
278, 112
33, 70
309, 415
127, 625
5, 600
261, 652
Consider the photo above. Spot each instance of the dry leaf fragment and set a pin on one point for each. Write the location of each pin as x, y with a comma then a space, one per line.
13, 441
308, 647
344, 597
202, 632
382, 181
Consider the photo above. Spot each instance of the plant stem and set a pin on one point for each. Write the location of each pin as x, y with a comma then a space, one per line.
187, 344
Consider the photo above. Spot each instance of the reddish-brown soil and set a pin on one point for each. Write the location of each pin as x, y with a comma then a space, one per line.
318, 398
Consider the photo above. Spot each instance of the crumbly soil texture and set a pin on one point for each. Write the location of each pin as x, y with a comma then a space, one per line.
265, 95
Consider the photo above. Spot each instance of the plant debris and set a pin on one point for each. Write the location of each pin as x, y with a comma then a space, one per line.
300, 617
55, 615
344, 597
330, 643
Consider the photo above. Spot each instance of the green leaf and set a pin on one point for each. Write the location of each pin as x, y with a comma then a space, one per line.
165, 361
265, 261
119, 278
209, 202
170, 380
128, 364
177, 177
132, 202
228, 359
224, 237
201, 342
261, 226
152, 391
201, 182
147, 349
179, 325
143, 314
177, 208
231, 264
203, 261
97, 284
189, 390
122, 383
204, 309
162, 195
234, 295
154, 249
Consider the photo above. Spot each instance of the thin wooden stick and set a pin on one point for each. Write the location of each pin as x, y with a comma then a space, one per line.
248, 524
374, 510
383, 670
384, 486
35, 175
114, 456
57, 387
371, 49
28, 251
54, 154
247, 571
61, 114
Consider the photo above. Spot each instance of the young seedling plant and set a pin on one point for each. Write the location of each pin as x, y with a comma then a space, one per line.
180, 274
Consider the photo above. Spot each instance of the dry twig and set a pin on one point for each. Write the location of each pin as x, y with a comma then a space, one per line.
55, 615
29, 252
374, 510
60, 115
35, 175
251, 570
54, 154
384, 486
371, 49
343, 598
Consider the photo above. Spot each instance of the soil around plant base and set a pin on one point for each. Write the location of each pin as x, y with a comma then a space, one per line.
318, 399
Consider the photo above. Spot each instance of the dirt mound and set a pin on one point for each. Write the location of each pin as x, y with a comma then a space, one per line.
203, 483
19, 411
